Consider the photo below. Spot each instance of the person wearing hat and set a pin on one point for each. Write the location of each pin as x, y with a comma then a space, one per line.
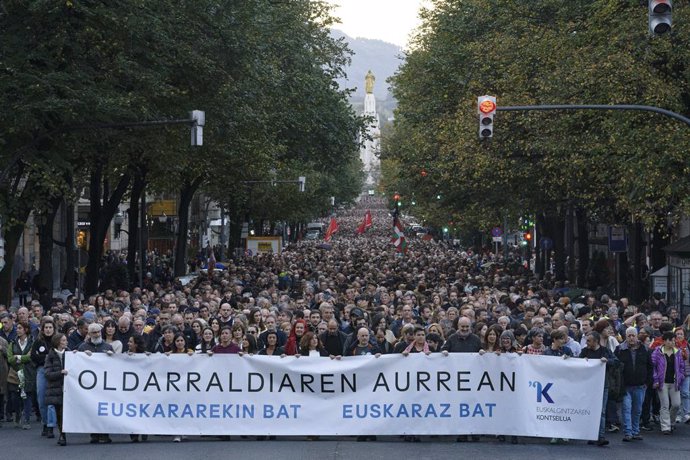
94, 343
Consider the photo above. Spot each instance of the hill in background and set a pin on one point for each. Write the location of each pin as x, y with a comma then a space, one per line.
383, 59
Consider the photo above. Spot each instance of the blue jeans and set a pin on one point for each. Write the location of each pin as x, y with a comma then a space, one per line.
41, 384
602, 422
685, 396
632, 408
28, 405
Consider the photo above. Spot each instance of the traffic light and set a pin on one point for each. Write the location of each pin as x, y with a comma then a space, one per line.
528, 237
486, 107
660, 15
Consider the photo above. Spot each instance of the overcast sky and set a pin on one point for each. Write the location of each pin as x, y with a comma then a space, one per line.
388, 20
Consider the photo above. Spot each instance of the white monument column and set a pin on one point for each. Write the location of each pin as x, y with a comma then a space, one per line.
369, 151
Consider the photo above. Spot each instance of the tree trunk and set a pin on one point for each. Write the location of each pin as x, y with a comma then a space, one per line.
13, 233
12, 236
539, 263
70, 259
558, 231
186, 194
570, 244
635, 262
660, 239
103, 209
133, 226
45, 238
582, 246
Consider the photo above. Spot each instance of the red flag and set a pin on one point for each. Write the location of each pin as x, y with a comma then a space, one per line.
366, 223
211, 262
332, 228
367, 219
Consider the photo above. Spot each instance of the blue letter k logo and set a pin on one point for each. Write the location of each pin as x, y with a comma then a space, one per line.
544, 392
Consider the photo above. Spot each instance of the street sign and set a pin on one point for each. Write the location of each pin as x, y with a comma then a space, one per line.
618, 240
497, 239
546, 243
496, 232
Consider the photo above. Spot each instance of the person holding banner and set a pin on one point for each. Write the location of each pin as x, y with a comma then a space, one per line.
166, 342
594, 350
94, 343
207, 341
296, 332
272, 348
180, 345
310, 345
226, 345
537, 346
508, 344
418, 345
558, 347
363, 346
463, 341
137, 344
55, 372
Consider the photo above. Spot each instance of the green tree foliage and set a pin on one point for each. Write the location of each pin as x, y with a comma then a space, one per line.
618, 166
263, 71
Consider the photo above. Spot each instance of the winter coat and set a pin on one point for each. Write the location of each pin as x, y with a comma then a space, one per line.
4, 368
459, 344
641, 372
54, 365
39, 351
25, 363
659, 365
100, 348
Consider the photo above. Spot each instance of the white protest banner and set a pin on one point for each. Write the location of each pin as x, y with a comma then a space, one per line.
264, 395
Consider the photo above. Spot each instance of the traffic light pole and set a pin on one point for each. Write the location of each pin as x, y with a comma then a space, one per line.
639, 108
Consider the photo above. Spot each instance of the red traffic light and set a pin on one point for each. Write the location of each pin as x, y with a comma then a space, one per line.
424, 173
528, 236
396, 197
486, 105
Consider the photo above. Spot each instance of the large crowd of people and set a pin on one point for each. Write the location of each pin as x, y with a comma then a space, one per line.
357, 295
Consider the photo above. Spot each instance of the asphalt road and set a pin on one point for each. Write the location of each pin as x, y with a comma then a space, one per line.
16, 443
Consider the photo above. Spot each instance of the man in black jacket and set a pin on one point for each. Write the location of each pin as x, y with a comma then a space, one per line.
463, 341
637, 374
333, 339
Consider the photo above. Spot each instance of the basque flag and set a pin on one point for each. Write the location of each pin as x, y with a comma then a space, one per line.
398, 238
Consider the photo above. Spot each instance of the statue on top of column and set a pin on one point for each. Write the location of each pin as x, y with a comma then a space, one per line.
369, 82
